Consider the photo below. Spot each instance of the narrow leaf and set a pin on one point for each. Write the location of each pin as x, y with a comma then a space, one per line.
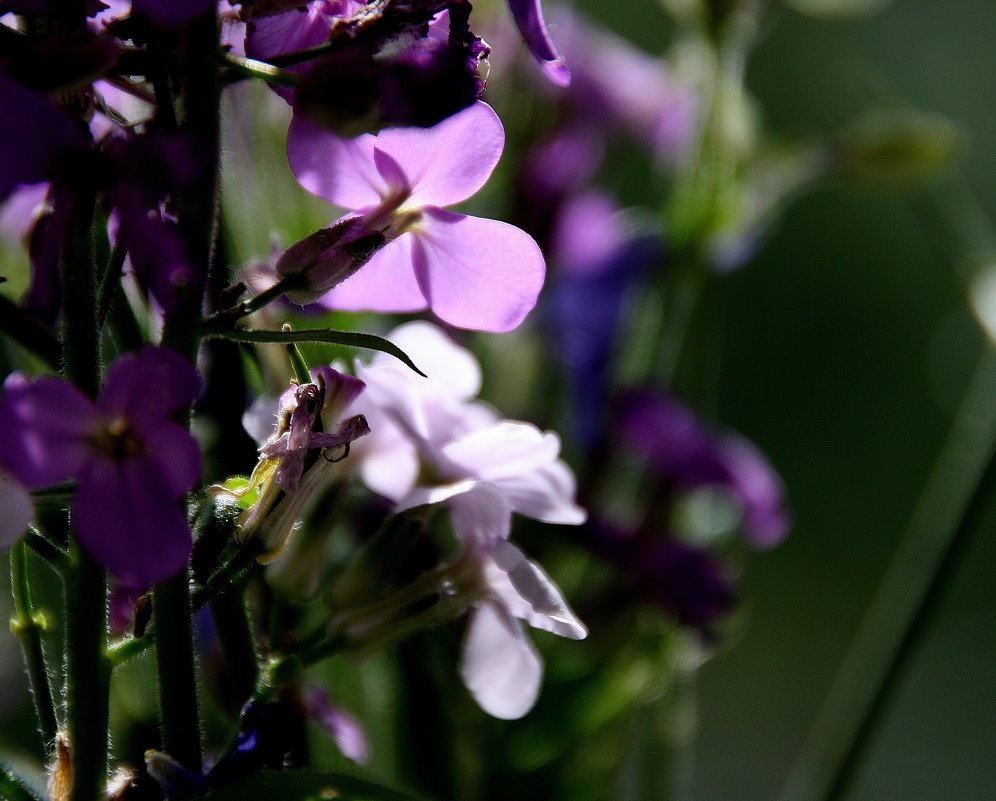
350, 339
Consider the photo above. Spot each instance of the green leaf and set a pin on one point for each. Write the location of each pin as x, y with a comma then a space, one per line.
350, 339
14, 789
307, 786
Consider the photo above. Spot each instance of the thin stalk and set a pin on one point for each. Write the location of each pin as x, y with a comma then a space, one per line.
109, 283
226, 318
238, 646
87, 673
178, 714
28, 625
910, 587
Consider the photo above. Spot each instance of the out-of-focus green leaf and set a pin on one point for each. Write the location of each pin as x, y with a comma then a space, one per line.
13, 789
270, 785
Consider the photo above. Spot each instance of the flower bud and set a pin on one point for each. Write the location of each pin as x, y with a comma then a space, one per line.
898, 148
327, 257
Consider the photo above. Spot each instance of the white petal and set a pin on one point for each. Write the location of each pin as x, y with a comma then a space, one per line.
547, 608
481, 516
546, 494
499, 665
15, 501
506, 449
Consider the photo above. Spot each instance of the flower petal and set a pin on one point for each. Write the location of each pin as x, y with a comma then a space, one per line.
150, 384
505, 449
18, 511
545, 607
479, 274
528, 16
481, 516
443, 165
129, 521
386, 283
46, 423
546, 494
499, 665
176, 453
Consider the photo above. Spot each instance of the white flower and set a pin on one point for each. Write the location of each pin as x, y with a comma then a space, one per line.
432, 443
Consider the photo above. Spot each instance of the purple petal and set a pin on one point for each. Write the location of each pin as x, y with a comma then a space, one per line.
171, 13
528, 16
46, 424
499, 665
443, 165
176, 453
36, 134
345, 730
289, 32
386, 283
151, 384
753, 481
479, 274
127, 517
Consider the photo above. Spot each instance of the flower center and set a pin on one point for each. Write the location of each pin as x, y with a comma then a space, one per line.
118, 440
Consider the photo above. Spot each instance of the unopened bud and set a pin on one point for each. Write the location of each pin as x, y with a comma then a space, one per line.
898, 148
327, 257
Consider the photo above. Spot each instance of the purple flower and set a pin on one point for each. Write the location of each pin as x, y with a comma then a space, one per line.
685, 580
398, 64
528, 16
473, 273
170, 14
688, 456
132, 464
345, 730
615, 84
600, 256
38, 137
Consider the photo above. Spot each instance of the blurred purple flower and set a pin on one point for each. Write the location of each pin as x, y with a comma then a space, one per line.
345, 730
599, 257
171, 14
688, 456
685, 580
614, 83
473, 273
132, 464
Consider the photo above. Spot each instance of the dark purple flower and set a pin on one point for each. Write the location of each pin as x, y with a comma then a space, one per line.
690, 583
149, 173
687, 456
38, 137
170, 14
132, 464
404, 63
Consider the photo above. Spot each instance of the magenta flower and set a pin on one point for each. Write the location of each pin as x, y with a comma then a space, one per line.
132, 464
473, 273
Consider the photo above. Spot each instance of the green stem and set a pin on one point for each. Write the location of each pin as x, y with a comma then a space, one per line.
109, 283
242, 67
910, 587
28, 625
87, 677
87, 673
179, 720
238, 646
47, 550
224, 320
